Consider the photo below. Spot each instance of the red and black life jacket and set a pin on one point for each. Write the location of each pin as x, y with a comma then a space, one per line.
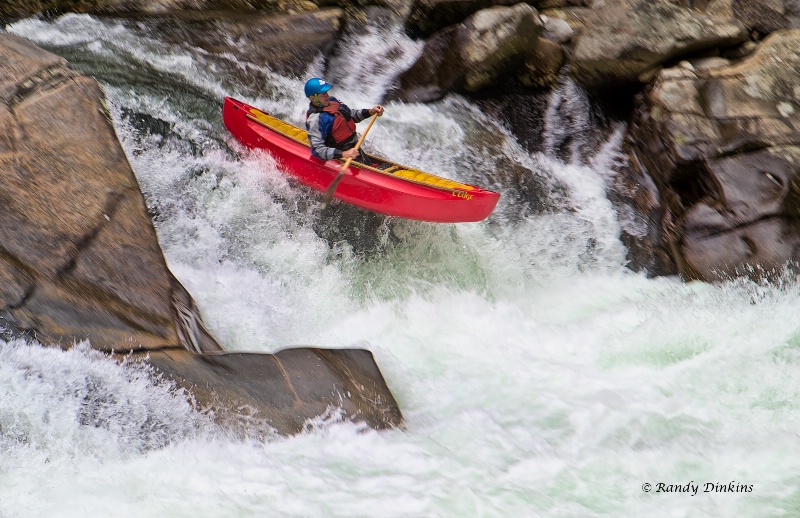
342, 128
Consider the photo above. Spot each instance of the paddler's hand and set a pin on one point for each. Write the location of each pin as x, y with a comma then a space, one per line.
377, 109
350, 153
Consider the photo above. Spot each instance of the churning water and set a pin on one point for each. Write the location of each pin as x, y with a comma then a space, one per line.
537, 375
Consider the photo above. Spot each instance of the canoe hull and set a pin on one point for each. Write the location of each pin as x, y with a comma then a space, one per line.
363, 187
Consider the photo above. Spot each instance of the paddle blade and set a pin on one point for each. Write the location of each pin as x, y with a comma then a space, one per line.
328, 196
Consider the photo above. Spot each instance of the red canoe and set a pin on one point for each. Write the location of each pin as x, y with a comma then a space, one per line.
389, 188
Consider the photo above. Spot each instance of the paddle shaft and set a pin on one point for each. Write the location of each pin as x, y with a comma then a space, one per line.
328, 196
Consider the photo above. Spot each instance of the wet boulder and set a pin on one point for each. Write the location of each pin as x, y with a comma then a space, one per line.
430, 16
544, 61
575, 17
25, 8
80, 260
761, 16
542, 64
79, 252
471, 56
285, 43
626, 41
555, 4
767, 16
718, 8
722, 144
258, 394
557, 30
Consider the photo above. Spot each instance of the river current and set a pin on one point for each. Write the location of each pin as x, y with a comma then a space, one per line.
538, 376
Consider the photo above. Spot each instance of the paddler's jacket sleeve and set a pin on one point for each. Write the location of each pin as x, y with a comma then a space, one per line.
360, 115
317, 139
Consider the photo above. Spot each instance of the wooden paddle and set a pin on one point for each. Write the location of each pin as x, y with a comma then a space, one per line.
328, 196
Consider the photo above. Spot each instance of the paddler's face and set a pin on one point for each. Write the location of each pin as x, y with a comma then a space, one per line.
321, 99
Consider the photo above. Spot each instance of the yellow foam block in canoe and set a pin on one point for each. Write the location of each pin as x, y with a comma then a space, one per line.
281, 127
429, 179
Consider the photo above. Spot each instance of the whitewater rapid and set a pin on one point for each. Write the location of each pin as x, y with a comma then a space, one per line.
537, 375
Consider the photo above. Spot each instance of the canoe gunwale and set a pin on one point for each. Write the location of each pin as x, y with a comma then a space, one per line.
395, 166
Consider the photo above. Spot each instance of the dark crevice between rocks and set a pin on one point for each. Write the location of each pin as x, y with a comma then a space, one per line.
734, 140
522, 109
691, 183
705, 232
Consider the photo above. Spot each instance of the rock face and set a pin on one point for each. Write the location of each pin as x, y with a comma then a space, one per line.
722, 145
542, 64
629, 38
429, 16
471, 56
79, 253
22, 8
720, 8
284, 43
79, 259
550, 4
282, 391
766, 16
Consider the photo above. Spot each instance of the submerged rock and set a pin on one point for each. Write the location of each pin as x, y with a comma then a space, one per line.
80, 260
257, 392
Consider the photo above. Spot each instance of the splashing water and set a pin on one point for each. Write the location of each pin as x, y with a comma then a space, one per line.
566, 121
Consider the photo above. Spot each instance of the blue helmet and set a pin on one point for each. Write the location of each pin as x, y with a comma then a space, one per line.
315, 86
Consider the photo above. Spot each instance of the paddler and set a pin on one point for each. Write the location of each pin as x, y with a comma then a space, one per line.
331, 124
